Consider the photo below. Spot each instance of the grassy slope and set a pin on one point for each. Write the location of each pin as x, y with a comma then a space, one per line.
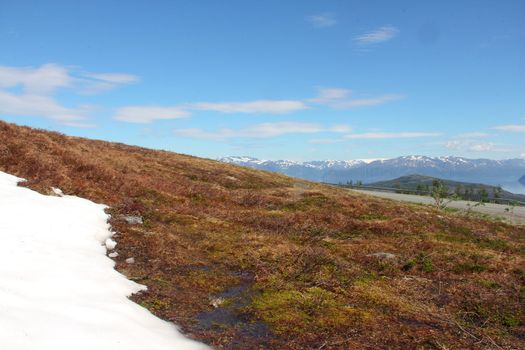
291, 255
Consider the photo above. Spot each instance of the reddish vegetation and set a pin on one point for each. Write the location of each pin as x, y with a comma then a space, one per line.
292, 260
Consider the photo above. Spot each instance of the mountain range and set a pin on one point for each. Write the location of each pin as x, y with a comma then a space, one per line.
508, 173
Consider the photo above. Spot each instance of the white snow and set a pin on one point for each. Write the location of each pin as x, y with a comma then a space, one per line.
58, 290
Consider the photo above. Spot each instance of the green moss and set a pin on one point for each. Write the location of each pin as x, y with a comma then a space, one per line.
489, 283
366, 278
155, 304
469, 267
409, 265
510, 320
314, 309
426, 264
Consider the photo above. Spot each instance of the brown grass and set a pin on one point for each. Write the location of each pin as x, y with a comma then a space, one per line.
296, 253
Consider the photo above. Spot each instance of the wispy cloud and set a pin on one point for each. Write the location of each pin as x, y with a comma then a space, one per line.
331, 95
377, 36
482, 146
325, 141
147, 114
263, 130
35, 81
473, 135
30, 91
91, 83
390, 135
474, 145
511, 128
39, 106
258, 106
340, 98
322, 20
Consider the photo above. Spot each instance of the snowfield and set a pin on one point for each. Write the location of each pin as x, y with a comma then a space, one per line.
58, 290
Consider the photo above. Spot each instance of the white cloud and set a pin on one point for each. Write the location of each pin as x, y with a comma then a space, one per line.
263, 130
322, 20
454, 144
390, 135
42, 80
91, 83
511, 128
481, 147
116, 78
38, 106
148, 114
340, 98
29, 91
324, 141
473, 135
145, 114
365, 102
473, 145
331, 95
258, 106
377, 36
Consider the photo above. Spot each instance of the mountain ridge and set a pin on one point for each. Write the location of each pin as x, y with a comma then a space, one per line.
492, 172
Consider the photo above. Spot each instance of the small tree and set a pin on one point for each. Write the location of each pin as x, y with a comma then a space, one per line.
440, 194
497, 192
471, 206
398, 187
459, 191
483, 194
510, 208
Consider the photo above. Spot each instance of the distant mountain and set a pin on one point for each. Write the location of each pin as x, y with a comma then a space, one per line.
492, 172
466, 190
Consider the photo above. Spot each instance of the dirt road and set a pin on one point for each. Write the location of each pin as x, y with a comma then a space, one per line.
517, 216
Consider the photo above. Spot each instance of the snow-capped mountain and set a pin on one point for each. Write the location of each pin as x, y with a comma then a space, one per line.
493, 172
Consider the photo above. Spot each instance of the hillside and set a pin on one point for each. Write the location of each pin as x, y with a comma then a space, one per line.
492, 172
465, 190
247, 259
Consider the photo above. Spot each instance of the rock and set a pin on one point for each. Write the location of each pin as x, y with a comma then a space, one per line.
130, 260
110, 244
216, 302
113, 255
133, 219
383, 255
57, 192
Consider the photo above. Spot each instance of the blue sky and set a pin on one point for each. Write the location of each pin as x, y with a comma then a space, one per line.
298, 80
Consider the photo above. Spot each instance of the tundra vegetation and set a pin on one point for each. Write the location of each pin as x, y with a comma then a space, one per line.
247, 259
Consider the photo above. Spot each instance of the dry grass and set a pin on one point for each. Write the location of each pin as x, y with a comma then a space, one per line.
297, 254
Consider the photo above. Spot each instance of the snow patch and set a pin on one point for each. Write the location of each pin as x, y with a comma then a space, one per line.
58, 290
